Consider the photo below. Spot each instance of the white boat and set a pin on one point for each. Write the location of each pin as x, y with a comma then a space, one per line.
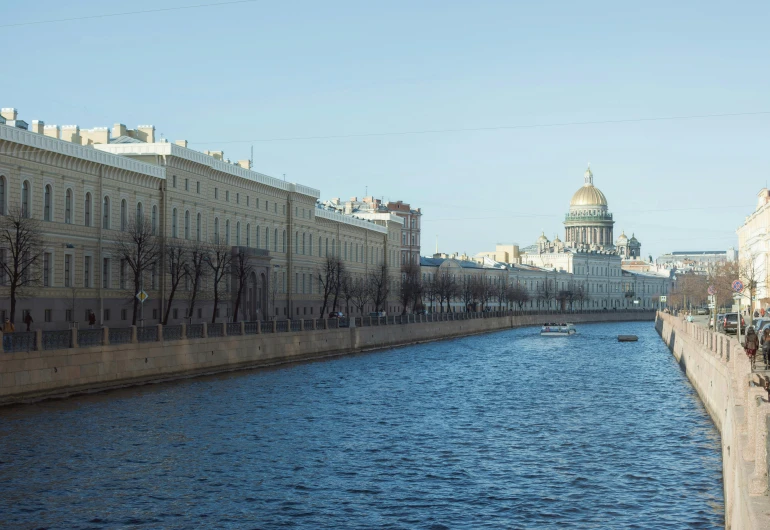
557, 330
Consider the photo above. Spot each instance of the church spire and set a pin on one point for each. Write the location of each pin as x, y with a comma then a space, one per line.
588, 176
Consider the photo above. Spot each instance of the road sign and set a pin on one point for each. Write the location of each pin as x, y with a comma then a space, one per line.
142, 296
662, 298
712, 290
738, 286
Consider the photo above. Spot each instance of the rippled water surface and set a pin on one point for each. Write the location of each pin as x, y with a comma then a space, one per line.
506, 430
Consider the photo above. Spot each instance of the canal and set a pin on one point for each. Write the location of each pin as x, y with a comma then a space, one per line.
503, 430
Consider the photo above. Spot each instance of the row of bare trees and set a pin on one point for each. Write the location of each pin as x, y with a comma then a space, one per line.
205, 269
337, 284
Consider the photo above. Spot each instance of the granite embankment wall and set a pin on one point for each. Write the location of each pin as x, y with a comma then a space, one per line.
31, 375
720, 372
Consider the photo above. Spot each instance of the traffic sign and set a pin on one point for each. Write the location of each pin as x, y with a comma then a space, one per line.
712, 290
662, 298
738, 286
142, 296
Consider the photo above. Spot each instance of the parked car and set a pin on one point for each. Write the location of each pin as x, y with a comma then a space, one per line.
377, 314
702, 311
730, 323
336, 314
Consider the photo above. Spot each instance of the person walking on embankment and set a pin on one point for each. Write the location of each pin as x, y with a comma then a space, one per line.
751, 344
766, 347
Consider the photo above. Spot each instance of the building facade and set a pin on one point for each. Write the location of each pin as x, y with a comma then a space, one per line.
754, 247
86, 186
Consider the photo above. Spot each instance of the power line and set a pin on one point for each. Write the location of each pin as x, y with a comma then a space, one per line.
108, 15
497, 128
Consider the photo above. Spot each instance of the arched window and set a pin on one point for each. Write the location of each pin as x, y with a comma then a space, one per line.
123, 214
283, 241
248, 235
187, 224
154, 220
2, 194
68, 206
106, 213
198, 227
173, 223
320, 247
87, 209
25, 204
216, 230
139, 213
238, 234
47, 203
227, 232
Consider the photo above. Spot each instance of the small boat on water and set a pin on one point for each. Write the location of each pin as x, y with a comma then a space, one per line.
557, 330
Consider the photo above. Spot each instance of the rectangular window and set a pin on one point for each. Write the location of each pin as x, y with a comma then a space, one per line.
237, 198
86, 315
47, 315
68, 315
227, 195
123, 314
122, 274
106, 273
198, 187
176, 313
155, 314
106, 314
216, 193
173, 181
200, 313
247, 200
187, 184
46, 270
67, 270
87, 271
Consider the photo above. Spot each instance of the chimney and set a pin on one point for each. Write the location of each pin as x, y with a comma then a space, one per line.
19, 124
118, 130
219, 155
38, 126
146, 133
51, 131
245, 164
2, 120
97, 135
181, 143
70, 133
9, 113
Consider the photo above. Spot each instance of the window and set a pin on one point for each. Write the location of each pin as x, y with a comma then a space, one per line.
173, 181
176, 313
216, 229
227, 232
47, 203
256, 236
68, 315
106, 314
87, 271
46, 269
123, 274
283, 242
88, 210
123, 314
106, 213
123, 215
187, 224
248, 235
106, 273
67, 270
173, 223
247, 200
154, 220
139, 213
296, 242
216, 193
198, 227
310, 244
187, 184
237, 198
275, 240
25, 202
47, 315
2, 194
198, 187
238, 234
227, 195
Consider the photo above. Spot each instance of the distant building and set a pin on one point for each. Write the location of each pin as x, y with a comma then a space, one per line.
754, 245
694, 261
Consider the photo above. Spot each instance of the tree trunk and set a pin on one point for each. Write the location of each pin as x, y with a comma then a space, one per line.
13, 303
237, 304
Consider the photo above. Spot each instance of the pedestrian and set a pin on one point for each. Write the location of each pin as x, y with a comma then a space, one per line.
28, 319
751, 344
762, 312
91, 318
8, 328
766, 347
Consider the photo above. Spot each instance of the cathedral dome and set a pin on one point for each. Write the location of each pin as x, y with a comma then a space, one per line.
588, 195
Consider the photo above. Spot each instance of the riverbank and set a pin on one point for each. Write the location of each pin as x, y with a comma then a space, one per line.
41, 374
720, 372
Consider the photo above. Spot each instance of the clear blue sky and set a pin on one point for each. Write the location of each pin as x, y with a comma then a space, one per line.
266, 70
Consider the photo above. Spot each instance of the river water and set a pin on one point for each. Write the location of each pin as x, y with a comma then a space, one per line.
504, 430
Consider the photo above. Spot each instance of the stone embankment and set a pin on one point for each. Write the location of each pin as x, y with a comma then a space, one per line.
720, 372
157, 353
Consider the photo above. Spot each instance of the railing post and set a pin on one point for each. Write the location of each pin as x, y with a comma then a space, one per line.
314, 323
370, 321
243, 327
106, 336
259, 327
326, 323
205, 331
160, 332
274, 326
134, 339
39, 340
184, 331
302, 324
74, 339
224, 329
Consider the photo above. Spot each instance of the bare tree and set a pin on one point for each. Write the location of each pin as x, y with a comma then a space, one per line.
196, 272
545, 292
500, 288
21, 251
430, 290
242, 269
219, 259
177, 268
410, 290
517, 294
469, 293
359, 294
346, 289
378, 287
329, 277
750, 276
446, 289
485, 291
140, 250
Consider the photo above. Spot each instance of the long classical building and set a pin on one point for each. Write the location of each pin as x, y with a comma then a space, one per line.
754, 247
85, 186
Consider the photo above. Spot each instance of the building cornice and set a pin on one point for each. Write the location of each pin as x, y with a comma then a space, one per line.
341, 218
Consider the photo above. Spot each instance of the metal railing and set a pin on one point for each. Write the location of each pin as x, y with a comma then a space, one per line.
195, 331
172, 332
233, 328
250, 328
214, 330
57, 340
295, 325
148, 334
282, 326
308, 323
19, 341
90, 337
120, 335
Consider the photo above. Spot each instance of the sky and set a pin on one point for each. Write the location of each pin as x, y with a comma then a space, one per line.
285, 76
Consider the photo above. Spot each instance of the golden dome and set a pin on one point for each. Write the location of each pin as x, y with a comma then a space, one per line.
588, 195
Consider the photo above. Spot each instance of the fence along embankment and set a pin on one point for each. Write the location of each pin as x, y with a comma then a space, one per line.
720, 371
76, 361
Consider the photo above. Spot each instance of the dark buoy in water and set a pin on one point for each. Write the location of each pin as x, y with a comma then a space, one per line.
627, 338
